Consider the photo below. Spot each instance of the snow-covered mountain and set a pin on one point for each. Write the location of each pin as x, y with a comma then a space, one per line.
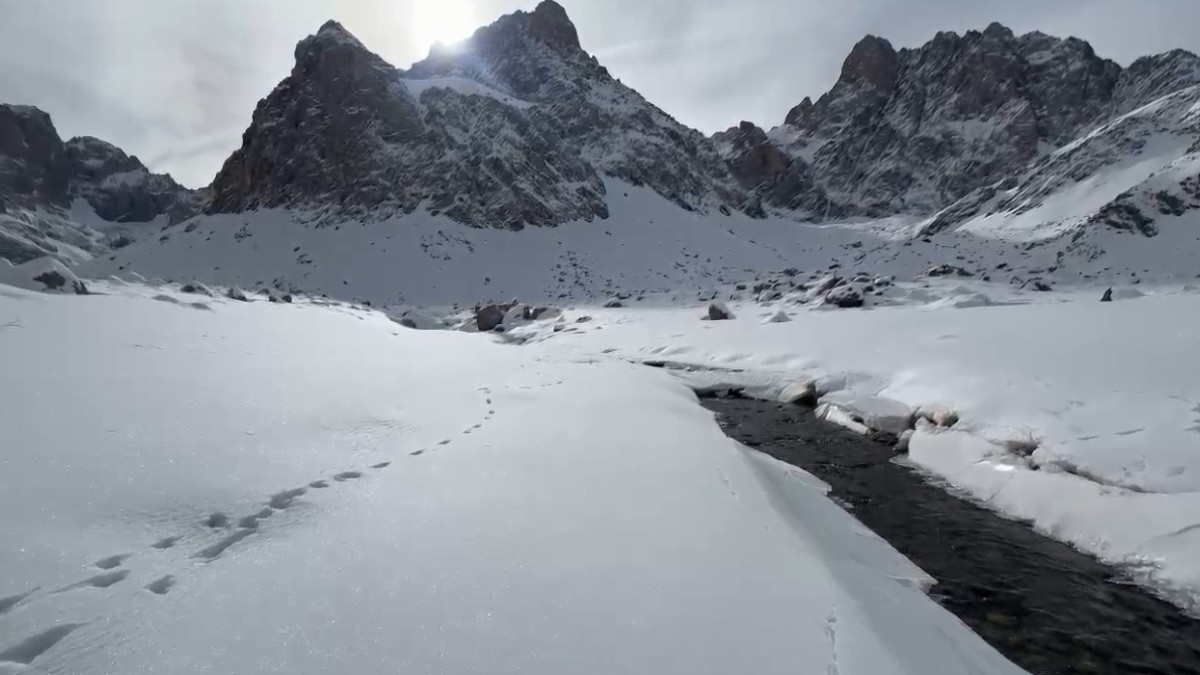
912, 131
1027, 154
517, 126
56, 197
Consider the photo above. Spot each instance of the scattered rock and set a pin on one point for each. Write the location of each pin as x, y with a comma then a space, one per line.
947, 270
719, 312
286, 298
487, 317
235, 293
196, 288
1107, 297
614, 304
52, 280
844, 297
583, 319
779, 317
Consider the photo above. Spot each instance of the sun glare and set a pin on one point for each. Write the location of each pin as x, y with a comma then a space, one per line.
445, 21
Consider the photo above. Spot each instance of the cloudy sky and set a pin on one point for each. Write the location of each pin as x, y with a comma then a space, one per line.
175, 81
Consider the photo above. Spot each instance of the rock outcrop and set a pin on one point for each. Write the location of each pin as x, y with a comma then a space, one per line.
517, 126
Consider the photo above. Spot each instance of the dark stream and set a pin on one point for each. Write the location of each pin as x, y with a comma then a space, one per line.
1044, 605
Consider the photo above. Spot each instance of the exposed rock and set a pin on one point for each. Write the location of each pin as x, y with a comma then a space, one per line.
235, 293
487, 317
517, 126
844, 297
52, 280
948, 270
121, 189
614, 304
196, 288
1108, 296
717, 311
40, 175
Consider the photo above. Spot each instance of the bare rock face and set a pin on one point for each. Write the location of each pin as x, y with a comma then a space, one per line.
516, 127
34, 167
915, 130
121, 189
40, 175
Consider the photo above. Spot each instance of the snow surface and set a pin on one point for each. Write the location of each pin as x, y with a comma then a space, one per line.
1105, 397
460, 85
193, 484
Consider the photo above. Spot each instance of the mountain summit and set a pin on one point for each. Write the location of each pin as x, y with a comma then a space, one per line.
515, 126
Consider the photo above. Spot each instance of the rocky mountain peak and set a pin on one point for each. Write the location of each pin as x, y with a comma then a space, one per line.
515, 126
34, 169
550, 24
873, 60
998, 31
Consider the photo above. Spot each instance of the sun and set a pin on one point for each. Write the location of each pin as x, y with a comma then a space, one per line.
445, 21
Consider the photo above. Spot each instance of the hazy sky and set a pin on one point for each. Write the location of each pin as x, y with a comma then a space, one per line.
175, 81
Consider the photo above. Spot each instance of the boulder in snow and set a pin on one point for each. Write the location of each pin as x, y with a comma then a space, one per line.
844, 297
614, 304
42, 274
717, 311
196, 288
779, 317
948, 271
235, 293
1107, 297
487, 317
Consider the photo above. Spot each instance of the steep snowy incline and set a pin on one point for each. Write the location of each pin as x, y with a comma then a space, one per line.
1077, 415
246, 487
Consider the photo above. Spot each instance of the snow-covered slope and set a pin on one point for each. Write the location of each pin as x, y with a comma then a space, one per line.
1079, 416
246, 487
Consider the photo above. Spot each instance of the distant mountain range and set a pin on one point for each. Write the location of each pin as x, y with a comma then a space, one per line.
1028, 138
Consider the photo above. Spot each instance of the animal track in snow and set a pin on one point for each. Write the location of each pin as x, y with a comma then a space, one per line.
319, 484
417, 453
283, 500
347, 475
214, 551
99, 581
14, 600
381, 465
112, 561
251, 522
26, 651
445, 442
161, 585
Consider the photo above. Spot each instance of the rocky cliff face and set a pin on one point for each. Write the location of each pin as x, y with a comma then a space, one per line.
40, 176
913, 131
517, 126
121, 189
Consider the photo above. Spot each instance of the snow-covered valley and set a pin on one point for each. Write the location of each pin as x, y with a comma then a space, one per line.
207, 485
